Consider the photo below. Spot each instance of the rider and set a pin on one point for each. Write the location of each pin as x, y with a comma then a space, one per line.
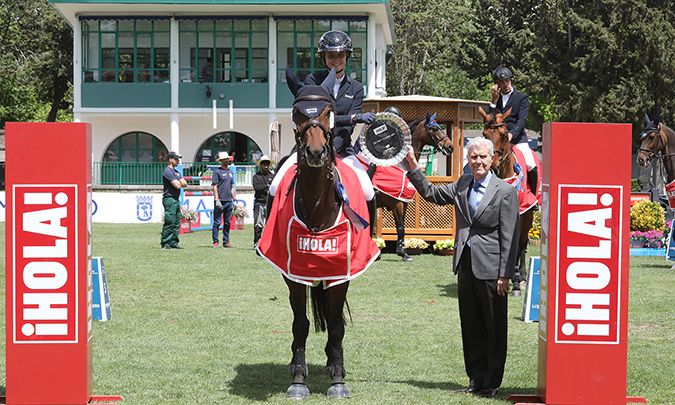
505, 96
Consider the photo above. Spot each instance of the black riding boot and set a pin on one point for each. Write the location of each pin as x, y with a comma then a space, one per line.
372, 213
371, 170
533, 180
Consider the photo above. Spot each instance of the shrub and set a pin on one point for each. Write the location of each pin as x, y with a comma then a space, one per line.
444, 244
635, 185
535, 231
379, 242
414, 243
647, 216
655, 238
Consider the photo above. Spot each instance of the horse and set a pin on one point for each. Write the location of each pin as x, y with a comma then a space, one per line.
313, 197
504, 165
658, 142
423, 132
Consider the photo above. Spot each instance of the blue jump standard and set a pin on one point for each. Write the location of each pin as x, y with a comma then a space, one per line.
647, 252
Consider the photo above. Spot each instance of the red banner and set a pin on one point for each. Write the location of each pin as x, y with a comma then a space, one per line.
589, 264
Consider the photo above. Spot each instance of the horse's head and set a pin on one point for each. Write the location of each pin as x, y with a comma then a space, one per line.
654, 141
313, 121
434, 134
494, 129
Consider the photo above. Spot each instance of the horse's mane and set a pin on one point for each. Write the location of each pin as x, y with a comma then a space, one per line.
412, 125
669, 131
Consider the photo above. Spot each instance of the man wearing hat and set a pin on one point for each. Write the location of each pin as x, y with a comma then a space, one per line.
173, 182
224, 195
261, 185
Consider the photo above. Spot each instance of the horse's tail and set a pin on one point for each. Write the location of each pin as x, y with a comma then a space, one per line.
320, 308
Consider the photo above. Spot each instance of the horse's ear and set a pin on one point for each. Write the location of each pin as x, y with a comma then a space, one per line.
292, 81
657, 118
427, 120
483, 114
647, 119
506, 114
329, 82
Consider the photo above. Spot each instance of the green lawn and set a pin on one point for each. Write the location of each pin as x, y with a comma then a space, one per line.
212, 326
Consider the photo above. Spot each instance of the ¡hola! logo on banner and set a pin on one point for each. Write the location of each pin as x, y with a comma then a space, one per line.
589, 263
45, 264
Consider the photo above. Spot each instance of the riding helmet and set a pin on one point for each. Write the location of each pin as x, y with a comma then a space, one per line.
335, 41
393, 110
501, 73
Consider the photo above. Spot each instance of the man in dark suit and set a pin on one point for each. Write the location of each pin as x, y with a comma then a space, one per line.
505, 96
486, 215
335, 47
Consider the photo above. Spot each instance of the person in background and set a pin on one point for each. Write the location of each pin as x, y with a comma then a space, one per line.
207, 71
224, 194
505, 96
486, 213
261, 185
173, 182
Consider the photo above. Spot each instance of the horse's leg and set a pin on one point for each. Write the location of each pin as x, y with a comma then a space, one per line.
298, 366
399, 211
335, 301
520, 272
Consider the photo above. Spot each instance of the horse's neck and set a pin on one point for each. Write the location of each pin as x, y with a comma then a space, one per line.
669, 160
506, 167
316, 203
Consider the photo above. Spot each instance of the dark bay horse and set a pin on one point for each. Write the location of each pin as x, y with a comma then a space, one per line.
426, 132
504, 165
316, 197
658, 142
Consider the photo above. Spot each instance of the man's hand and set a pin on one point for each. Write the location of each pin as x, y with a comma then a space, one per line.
365, 118
218, 203
409, 163
510, 136
502, 285
495, 93
183, 182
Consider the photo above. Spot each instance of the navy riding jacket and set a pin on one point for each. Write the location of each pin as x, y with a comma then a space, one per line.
515, 123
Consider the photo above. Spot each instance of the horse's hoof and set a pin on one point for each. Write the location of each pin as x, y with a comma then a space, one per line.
406, 258
297, 391
338, 391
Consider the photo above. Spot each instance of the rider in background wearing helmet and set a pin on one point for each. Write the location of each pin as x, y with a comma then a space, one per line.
335, 47
505, 96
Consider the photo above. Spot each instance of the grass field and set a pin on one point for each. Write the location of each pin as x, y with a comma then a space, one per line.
212, 326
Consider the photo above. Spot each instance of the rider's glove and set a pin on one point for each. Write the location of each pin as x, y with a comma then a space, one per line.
363, 118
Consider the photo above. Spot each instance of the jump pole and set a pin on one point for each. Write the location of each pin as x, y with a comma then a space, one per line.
48, 266
583, 315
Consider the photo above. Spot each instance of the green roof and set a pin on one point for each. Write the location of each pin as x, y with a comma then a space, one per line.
280, 2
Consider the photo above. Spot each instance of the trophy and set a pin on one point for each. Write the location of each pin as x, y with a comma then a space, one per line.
385, 141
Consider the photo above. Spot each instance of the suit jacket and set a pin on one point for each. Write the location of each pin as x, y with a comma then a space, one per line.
347, 103
515, 123
492, 229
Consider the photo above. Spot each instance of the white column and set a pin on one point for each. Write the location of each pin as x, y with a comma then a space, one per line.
372, 44
175, 133
77, 69
175, 58
272, 64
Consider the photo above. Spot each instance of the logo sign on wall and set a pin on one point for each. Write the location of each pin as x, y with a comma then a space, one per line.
588, 284
144, 207
45, 264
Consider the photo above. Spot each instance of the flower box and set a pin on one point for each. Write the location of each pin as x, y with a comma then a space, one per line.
184, 226
444, 252
196, 222
236, 224
414, 251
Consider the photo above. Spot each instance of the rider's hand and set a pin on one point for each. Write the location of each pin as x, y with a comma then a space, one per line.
495, 93
218, 203
363, 118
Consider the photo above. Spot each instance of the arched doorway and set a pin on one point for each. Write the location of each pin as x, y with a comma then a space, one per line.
243, 148
133, 158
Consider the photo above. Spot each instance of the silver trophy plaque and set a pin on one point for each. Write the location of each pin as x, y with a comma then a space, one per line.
385, 141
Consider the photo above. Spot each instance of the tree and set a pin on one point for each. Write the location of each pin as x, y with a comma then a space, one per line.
36, 67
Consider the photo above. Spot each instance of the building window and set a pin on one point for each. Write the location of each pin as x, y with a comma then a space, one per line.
136, 147
125, 51
297, 41
243, 148
223, 50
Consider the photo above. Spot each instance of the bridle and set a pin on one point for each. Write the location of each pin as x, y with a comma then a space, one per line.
652, 153
502, 153
301, 131
432, 128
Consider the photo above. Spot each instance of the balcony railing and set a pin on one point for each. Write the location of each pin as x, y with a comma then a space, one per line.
150, 173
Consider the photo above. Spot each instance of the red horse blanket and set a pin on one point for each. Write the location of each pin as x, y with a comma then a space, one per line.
392, 181
525, 196
334, 255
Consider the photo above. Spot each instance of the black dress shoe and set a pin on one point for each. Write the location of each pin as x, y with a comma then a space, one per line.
488, 392
472, 388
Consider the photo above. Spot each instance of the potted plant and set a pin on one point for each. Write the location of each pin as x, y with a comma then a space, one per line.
637, 239
239, 213
444, 247
380, 243
187, 216
414, 246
